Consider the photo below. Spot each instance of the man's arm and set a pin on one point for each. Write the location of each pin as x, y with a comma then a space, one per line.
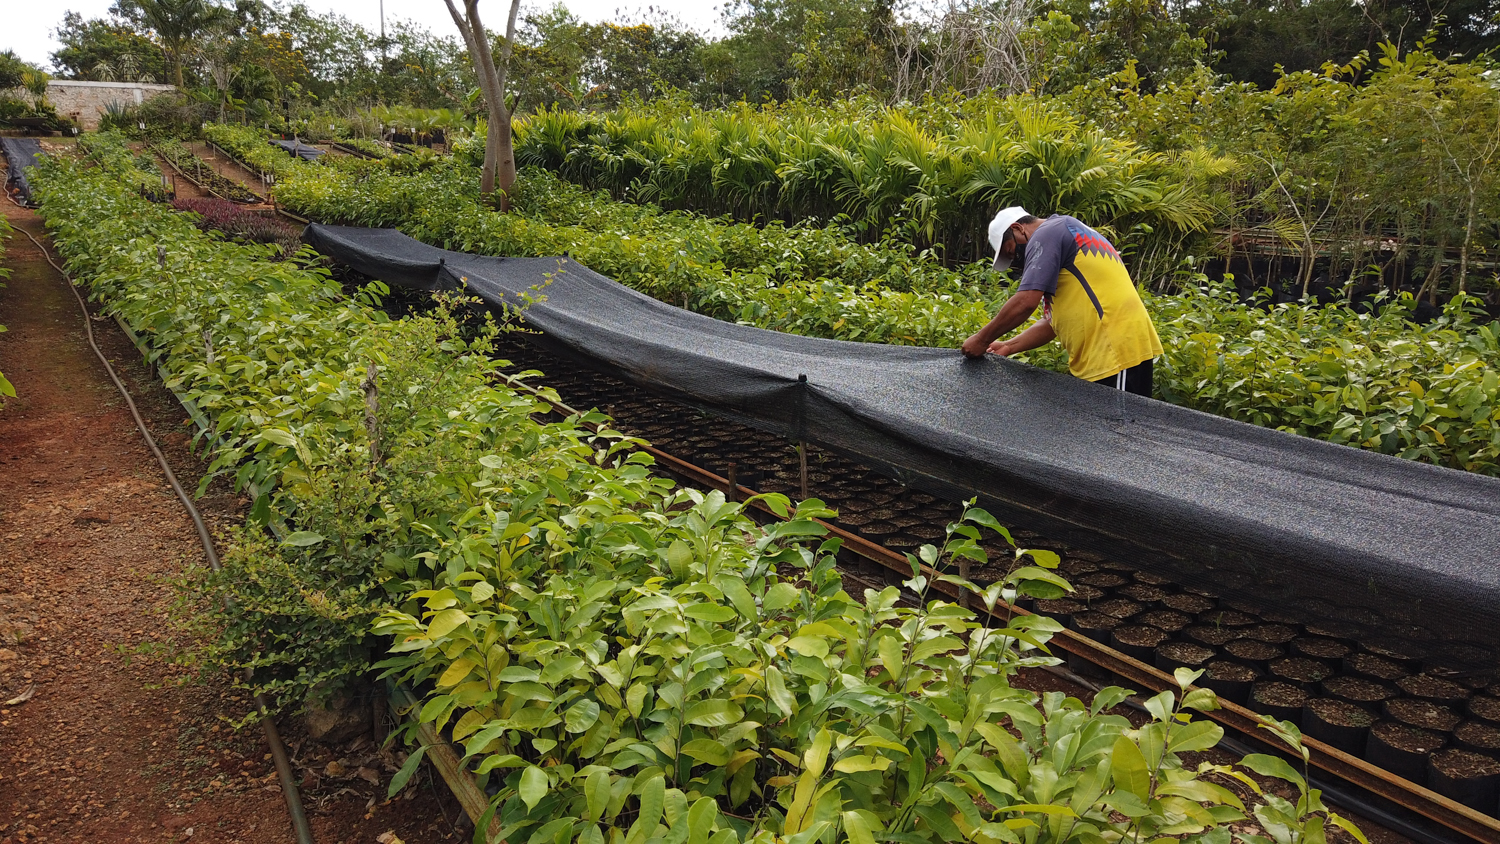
1039, 334
1015, 311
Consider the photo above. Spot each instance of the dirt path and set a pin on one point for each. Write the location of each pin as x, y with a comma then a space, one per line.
111, 746
228, 168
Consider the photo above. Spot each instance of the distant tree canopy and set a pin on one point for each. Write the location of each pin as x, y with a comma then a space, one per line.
263, 58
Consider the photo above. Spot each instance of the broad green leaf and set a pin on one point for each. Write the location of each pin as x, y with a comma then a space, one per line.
533, 786
858, 764
456, 673
1346, 825
707, 751
653, 796
816, 755
700, 820
1273, 766
278, 437
563, 668
776, 687
709, 612
890, 650
857, 829
780, 596
581, 716
1199, 735
302, 539
1128, 769
734, 589
446, 622
596, 792
713, 713
813, 646
408, 768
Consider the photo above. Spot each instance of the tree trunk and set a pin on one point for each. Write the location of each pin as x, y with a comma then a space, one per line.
499, 171
1463, 254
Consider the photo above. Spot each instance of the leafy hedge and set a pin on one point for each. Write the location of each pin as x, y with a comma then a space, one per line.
622, 661
112, 152
1372, 381
250, 147
929, 174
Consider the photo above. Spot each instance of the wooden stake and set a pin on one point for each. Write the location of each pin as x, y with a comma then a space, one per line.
802, 456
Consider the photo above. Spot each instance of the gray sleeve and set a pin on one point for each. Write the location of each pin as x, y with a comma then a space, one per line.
1046, 255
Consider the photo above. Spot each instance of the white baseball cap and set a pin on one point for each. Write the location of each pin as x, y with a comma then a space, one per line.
998, 227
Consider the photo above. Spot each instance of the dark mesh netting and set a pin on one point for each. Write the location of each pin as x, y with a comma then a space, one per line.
1401, 552
20, 153
299, 149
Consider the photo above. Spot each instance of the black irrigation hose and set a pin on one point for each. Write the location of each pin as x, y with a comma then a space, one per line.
273, 737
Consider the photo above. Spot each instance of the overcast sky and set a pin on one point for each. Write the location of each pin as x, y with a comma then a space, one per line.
29, 24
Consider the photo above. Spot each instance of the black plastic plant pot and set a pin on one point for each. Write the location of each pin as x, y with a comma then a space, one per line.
1485, 708
1408, 655
1214, 637
1189, 603
1171, 621
1144, 594
1478, 736
1401, 749
1281, 701
1358, 690
1275, 634
1231, 681
1174, 655
1095, 625
1137, 640
1472, 779
1060, 610
1257, 655
1300, 671
1337, 722
1421, 713
1435, 689
1373, 667
1320, 647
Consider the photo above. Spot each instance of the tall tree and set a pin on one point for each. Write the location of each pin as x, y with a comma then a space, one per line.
499, 169
179, 24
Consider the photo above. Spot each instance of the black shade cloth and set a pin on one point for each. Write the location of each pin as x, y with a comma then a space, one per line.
299, 149
1405, 552
20, 153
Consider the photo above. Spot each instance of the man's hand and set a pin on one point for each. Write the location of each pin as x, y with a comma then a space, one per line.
1014, 312
1002, 348
976, 345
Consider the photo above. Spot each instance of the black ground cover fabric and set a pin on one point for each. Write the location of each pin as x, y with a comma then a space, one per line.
20, 153
1407, 553
299, 149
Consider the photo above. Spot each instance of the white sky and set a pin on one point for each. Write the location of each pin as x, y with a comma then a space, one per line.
29, 24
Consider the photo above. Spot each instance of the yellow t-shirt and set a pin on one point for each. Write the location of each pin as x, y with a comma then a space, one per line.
1093, 304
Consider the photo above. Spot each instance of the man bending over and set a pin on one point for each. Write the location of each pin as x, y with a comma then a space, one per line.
1089, 302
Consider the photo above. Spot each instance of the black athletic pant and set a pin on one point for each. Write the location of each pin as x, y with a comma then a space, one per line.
1136, 379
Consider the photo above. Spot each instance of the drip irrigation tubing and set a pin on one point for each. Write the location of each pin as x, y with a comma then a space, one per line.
273, 737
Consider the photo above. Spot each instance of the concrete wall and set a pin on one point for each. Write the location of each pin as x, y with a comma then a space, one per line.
85, 102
